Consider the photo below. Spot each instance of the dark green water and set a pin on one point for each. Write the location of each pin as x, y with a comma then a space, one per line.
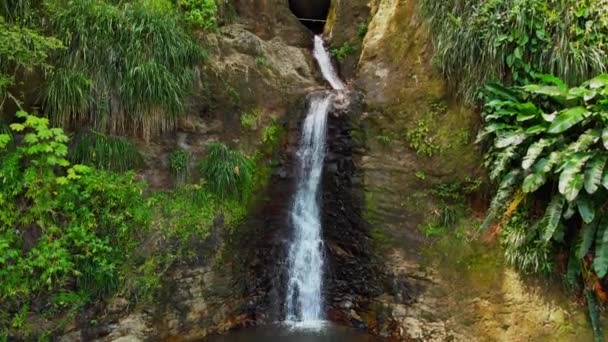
328, 333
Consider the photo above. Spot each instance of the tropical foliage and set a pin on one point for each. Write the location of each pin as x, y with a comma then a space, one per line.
21, 51
547, 145
480, 41
64, 229
129, 69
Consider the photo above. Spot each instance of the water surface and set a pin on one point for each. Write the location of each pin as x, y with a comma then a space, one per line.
329, 333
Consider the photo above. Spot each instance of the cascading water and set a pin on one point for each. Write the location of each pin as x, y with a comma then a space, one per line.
327, 69
304, 298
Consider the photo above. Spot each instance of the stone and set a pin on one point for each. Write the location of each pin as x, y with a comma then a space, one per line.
117, 305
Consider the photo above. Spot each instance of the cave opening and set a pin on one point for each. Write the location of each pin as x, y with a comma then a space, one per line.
312, 13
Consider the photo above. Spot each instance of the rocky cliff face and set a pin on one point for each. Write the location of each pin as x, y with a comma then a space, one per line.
418, 144
392, 149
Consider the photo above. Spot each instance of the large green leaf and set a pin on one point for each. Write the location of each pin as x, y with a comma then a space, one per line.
491, 128
586, 208
585, 140
581, 93
600, 261
550, 79
534, 151
587, 238
552, 91
599, 81
512, 138
502, 92
593, 173
536, 129
571, 180
553, 215
538, 177
567, 118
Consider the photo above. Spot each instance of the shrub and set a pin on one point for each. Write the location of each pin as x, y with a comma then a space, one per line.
200, 13
546, 144
65, 230
179, 164
228, 173
105, 152
343, 51
505, 40
250, 120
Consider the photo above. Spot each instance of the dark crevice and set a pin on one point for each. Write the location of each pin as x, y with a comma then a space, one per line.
312, 13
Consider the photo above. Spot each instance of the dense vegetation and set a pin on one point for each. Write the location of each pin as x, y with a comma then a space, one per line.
547, 146
77, 222
71, 234
506, 40
536, 67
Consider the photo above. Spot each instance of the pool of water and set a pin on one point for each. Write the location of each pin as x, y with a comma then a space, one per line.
280, 333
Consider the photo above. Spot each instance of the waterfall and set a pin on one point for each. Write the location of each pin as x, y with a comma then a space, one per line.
304, 302
327, 69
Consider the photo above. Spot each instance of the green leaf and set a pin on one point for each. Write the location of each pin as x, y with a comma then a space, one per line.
567, 118
584, 141
534, 151
538, 177
594, 315
17, 127
553, 215
587, 237
599, 81
491, 128
593, 173
502, 92
600, 262
581, 93
505, 190
502, 161
571, 180
536, 129
550, 79
586, 209
605, 137
4, 140
551, 91
512, 138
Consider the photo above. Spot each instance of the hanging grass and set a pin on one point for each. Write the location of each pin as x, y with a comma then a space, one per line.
105, 152
140, 61
228, 173
480, 41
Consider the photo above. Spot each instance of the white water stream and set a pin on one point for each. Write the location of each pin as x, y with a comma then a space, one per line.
304, 299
